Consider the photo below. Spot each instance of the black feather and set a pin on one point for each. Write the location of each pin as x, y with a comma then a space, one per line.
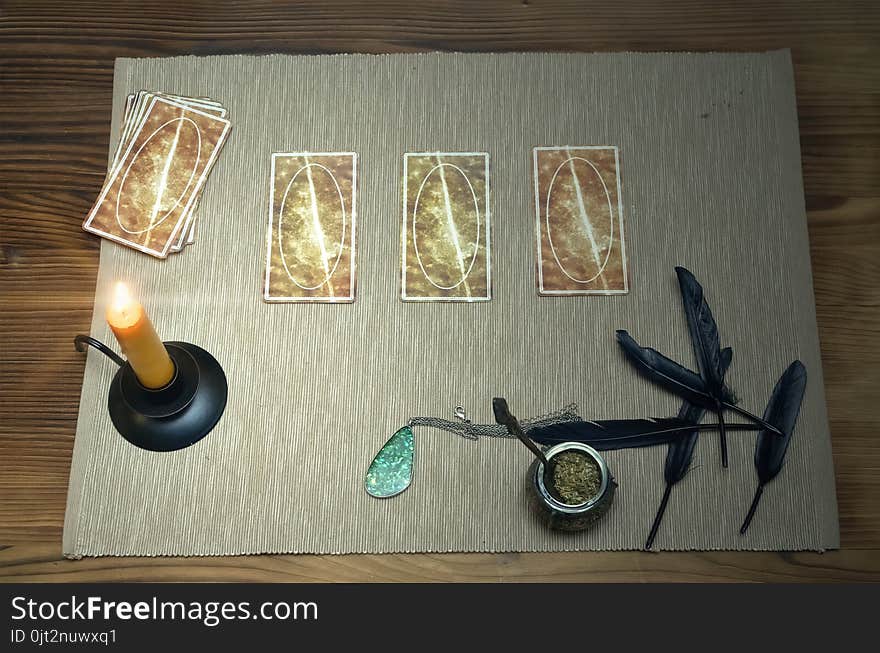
681, 452
782, 412
664, 371
604, 435
707, 347
704, 331
726, 359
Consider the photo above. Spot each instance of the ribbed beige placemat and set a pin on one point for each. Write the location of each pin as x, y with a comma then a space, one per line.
711, 180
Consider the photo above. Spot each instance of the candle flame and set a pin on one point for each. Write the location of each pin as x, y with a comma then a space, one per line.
122, 299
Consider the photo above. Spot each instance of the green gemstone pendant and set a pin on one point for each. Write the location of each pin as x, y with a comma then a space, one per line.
390, 473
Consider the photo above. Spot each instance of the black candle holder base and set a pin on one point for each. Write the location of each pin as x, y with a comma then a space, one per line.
175, 416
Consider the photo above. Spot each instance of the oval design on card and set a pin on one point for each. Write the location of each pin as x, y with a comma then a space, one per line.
312, 223
457, 244
570, 224
155, 159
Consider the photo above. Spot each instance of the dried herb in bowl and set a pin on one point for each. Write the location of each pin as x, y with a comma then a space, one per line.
576, 477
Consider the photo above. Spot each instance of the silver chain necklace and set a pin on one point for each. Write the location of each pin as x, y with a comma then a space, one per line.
391, 470
470, 431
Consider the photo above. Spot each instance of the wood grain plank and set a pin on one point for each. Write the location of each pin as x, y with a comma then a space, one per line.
56, 78
40, 563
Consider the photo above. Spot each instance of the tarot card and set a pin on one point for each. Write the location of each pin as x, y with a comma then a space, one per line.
445, 234
188, 233
579, 221
149, 194
140, 101
311, 239
137, 103
135, 106
133, 119
126, 116
203, 104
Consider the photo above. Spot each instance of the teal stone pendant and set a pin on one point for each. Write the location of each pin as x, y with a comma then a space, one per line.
391, 471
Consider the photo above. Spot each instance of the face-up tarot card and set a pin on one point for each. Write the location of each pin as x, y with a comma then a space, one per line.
579, 221
149, 195
312, 228
445, 234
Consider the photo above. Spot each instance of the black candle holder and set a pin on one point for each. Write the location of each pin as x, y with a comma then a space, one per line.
172, 417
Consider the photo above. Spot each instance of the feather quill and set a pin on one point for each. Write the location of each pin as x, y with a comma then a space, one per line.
707, 347
782, 412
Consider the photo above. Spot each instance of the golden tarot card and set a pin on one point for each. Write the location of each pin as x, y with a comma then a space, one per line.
136, 105
444, 235
150, 192
311, 237
579, 221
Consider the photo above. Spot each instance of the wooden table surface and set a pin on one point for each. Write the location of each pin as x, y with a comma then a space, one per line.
56, 78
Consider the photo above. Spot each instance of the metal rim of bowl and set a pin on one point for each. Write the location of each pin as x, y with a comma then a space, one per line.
571, 509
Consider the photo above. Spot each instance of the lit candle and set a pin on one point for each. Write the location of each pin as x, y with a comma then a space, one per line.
141, 345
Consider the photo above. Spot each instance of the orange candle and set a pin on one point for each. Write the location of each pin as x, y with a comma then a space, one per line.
141, 345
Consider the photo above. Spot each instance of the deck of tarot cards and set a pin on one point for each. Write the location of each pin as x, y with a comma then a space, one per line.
167, 148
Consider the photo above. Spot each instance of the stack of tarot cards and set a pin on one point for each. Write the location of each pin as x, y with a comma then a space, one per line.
167, 148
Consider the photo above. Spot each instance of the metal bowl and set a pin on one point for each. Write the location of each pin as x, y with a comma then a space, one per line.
569, 517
